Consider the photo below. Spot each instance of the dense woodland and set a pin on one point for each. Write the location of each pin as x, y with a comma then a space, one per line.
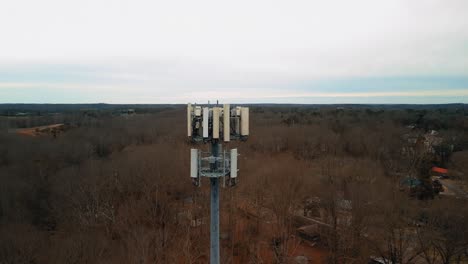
115, 188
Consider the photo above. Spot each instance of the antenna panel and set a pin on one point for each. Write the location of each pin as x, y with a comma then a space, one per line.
234, 163
197, 110
206, 118
226, 123
194, 163
216, 114
244, 121
238, 110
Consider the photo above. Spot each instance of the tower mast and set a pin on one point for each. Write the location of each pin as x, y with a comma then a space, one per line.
204, 126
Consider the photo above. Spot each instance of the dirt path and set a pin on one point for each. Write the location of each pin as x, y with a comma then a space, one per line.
36, 131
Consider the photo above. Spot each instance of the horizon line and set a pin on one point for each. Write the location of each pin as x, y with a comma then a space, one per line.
102, 103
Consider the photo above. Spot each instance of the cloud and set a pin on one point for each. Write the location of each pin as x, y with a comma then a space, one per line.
319, 38
168, 49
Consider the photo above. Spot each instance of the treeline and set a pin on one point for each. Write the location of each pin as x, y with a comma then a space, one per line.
8, 109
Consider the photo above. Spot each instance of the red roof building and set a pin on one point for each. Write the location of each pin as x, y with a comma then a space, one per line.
439, 170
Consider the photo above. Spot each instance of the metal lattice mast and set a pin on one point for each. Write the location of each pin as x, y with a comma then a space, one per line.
214, 210
203, 126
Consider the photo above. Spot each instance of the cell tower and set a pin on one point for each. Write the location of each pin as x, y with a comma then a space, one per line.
207, 124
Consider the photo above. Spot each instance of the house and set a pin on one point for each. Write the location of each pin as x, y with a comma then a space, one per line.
440, 171
127, 112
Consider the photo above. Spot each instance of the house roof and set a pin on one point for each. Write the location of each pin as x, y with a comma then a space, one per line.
439, 170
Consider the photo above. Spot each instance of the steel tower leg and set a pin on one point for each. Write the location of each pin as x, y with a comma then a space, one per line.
214, 229
214, 221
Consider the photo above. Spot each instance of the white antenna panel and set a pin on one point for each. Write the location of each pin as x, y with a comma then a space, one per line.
206, 118
189, 120
193, 163
197, 111
216, 114
238, 111
244, 121
226, 121
234, 163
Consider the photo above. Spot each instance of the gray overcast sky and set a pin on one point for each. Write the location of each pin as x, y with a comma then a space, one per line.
130, 51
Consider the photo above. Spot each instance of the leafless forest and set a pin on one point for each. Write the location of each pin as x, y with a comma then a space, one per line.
317, 184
